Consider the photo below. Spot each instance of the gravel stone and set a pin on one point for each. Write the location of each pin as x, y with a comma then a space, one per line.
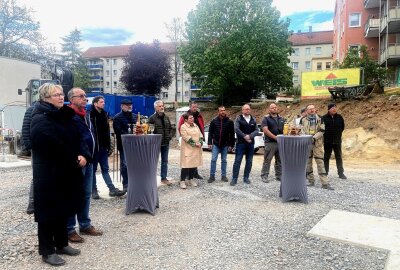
213, 226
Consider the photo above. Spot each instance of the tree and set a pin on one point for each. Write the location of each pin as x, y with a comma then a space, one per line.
81, 74
237, 48
360, 58
175, 35
19, 33
70, 47
147, 69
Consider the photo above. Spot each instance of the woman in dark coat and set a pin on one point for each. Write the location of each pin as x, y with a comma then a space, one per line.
56, 163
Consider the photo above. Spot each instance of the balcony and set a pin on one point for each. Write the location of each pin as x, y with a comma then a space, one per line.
95, 89
96, 78
371, 3
392, 21
372, 28
391, 55
194, 87
95, 66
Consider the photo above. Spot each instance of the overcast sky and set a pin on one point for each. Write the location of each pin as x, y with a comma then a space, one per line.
119, 22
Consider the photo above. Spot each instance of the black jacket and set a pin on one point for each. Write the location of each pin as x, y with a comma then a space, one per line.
120, 125
243, 128
334, 127
221, 132
57, 178
101, 128
162, 125
26, 129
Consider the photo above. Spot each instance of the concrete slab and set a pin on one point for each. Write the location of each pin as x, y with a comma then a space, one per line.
14, 163
362, 230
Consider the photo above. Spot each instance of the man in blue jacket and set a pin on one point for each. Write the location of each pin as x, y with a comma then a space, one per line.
78, 100
246, 129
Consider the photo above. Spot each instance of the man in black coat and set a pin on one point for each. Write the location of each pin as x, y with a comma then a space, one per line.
334, 126
121, 125
221, 139
101, 132
162, 125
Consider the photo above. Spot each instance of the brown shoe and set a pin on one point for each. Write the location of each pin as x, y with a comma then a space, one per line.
91, 230
74, 237
166, 182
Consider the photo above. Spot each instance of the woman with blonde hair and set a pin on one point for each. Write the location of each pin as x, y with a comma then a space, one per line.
57, 174
191, 150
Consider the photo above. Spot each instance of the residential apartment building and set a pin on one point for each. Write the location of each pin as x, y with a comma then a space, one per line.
312, 52
106, 63
375, 23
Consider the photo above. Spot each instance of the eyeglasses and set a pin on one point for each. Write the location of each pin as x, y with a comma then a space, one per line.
57, 95
80, 96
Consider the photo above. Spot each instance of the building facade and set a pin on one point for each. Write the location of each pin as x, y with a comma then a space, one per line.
375, 23
106, 63
312, 52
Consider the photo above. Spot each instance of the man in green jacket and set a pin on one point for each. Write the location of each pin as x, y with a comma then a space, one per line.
162, 125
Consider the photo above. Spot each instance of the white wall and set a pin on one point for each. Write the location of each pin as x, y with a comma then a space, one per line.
14, 75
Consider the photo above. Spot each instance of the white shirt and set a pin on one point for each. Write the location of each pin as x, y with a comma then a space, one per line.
247, 118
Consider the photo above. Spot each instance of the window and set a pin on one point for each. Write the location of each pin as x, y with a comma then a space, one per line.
186, 93
178, 95
164, 94
115, 84
308, 65
318, 50
108, 61
107, 84
355, 20
328, 65
319, 65
295, 65
107, 73
295, 79
115, 72
114, 61
308, 51
296, 51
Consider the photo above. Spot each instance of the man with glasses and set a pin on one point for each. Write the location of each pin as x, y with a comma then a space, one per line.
121, 124
272, 126
101, 132
313, 125
78, 100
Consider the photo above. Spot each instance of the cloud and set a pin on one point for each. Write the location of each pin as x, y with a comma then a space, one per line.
319, 21
106, 36
289, 7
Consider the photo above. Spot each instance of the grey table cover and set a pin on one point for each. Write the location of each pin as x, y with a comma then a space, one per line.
141, 154
294, 151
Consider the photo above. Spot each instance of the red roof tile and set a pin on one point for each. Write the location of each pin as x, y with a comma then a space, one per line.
311, 38
119, 51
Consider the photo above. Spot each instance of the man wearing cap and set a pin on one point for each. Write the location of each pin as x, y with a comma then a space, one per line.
121, 123
334, 126
303, 113
313, 125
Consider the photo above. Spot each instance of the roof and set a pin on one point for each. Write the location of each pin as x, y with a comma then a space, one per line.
119, 51
311, 38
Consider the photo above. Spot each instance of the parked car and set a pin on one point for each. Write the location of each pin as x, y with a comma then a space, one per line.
258, 140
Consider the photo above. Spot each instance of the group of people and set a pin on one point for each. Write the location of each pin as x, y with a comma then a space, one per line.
326, 134
68, 143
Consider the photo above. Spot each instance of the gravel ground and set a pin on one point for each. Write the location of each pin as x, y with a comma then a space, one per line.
214, 226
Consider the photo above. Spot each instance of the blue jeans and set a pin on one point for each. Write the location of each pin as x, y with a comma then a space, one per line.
124, 169
243, 149
83, 213
102, 157
215, 151
164, 161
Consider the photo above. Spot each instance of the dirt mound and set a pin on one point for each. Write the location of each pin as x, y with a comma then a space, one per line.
372, 125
